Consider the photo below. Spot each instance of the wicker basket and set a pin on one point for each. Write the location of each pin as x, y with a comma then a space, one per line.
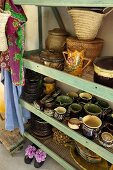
92, 48
86, 23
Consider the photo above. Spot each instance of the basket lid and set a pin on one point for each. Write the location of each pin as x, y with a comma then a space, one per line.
105, 62
51, 56
57, 31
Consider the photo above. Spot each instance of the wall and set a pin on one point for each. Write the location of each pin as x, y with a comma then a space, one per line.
105, 31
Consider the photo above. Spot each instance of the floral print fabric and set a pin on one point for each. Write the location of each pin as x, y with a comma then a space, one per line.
12, 59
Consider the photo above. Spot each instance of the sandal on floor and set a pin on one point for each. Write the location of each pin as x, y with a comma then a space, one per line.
29, 154
40, 157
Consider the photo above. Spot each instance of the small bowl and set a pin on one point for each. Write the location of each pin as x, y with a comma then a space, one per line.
74, 123
73, 95
92, 109
64, 100
107, 137
85, 97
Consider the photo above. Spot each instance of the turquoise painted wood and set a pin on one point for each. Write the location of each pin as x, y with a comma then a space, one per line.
49, 152
93, 88
85, 3
76, 136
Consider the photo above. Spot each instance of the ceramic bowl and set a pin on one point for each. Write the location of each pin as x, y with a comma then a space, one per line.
85, 97
92, 109
73, 95
74, 109
64, 100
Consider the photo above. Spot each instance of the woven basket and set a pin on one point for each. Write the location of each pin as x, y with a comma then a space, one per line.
86, 23
92, 48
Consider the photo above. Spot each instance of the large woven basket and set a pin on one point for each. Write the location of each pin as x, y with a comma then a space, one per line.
92, 48
86, 23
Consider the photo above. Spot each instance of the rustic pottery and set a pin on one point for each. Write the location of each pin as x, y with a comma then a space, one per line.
74, 62
63, 100
52, 59
92, 109
92, 48
91, 125
49, 85
56, 40
103, 71
59, 113
85, 97
74, 109
74, 123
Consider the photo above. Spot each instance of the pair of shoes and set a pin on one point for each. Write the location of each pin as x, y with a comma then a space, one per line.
31, 152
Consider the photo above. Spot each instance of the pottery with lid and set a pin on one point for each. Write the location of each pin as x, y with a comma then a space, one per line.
103, 71
52, 59
56, 39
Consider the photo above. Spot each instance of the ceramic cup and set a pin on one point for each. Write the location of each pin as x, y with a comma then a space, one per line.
92, 109
85, 97
59, 113
73, 95
91, 125
74, 110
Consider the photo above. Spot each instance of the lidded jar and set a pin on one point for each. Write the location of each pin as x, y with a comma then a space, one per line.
56, 40
103, 71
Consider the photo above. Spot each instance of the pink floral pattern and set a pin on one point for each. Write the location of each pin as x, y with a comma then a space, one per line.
40, 155
30, 151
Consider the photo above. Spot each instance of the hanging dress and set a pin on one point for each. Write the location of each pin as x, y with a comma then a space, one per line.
12, 68
12, 59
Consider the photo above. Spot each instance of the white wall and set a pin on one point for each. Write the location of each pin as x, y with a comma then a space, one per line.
49, 22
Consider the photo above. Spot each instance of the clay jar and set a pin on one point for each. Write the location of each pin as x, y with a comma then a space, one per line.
56, 40
49, 85
103, 71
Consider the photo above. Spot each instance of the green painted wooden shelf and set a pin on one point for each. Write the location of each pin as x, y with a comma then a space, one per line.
104, 153
73, 81
84, 3
56, 153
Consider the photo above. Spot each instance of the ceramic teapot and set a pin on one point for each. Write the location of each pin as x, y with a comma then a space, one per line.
74, 62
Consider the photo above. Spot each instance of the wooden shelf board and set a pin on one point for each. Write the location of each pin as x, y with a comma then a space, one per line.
74, 81
101, 151
82, 3
46, 145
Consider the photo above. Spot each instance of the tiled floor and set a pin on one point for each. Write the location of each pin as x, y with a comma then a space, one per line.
7, 162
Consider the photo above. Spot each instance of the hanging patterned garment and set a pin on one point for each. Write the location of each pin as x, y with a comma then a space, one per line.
12, 59
12, 68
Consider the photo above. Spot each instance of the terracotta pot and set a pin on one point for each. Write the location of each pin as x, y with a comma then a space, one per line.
56, 40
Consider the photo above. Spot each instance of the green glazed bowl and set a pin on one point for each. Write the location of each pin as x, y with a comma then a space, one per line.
92, 109
64, 100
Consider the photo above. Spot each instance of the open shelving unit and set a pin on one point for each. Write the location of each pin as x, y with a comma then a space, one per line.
73, 81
